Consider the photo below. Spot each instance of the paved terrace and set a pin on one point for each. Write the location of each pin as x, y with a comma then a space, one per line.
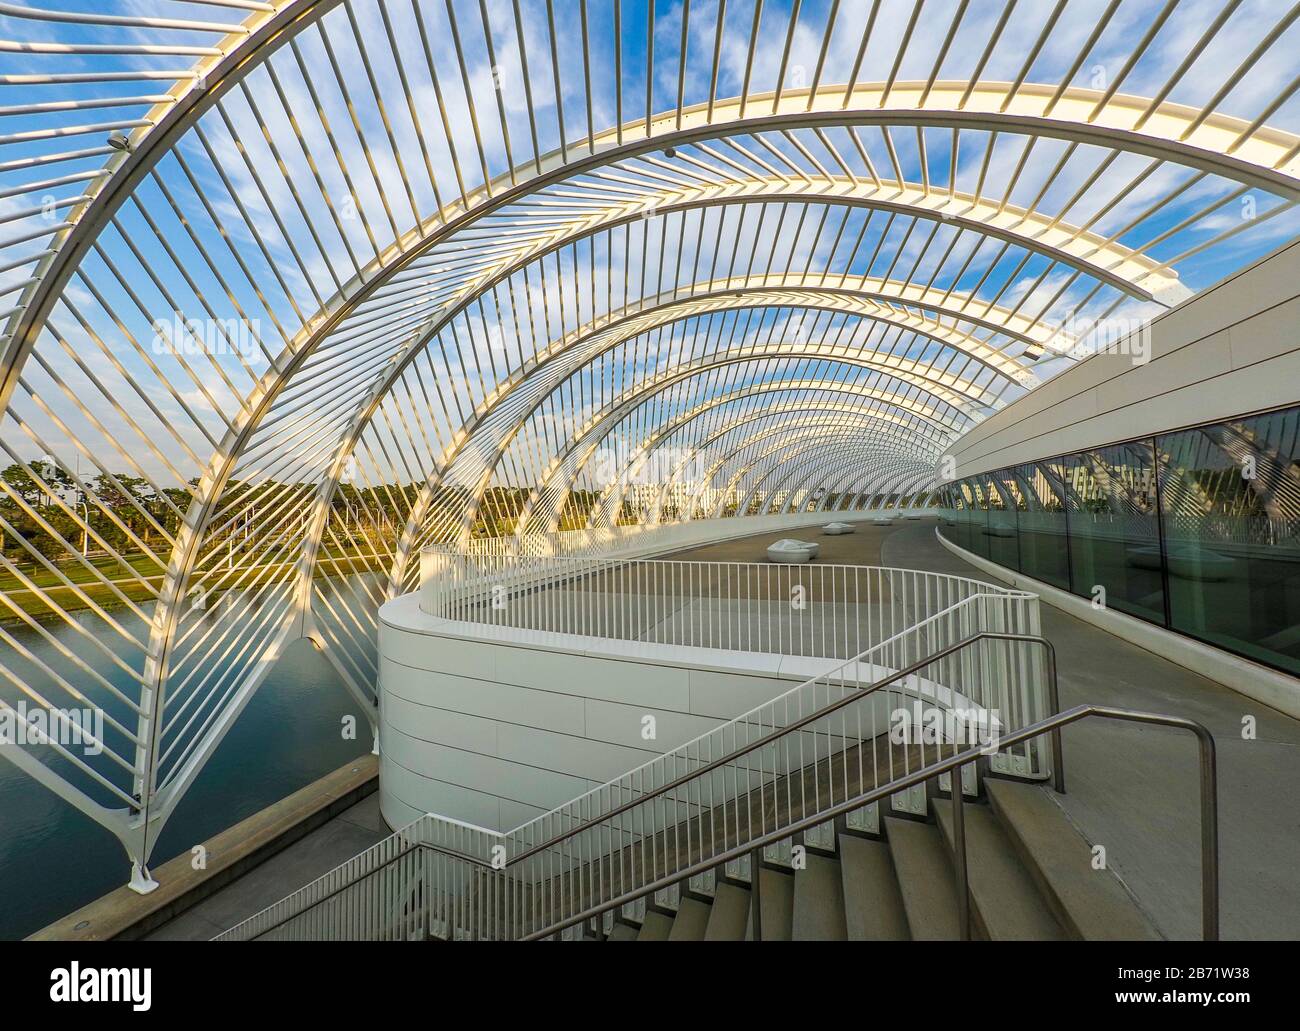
1132, 789
738, 601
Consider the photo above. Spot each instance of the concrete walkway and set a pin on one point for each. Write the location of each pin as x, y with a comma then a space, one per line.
1133, 789
350, 833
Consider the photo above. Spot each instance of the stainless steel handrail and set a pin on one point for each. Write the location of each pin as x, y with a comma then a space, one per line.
350, 883
954, 764
799, 724
916, 667
359, 878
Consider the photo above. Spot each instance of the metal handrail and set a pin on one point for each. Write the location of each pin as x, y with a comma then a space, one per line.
799, 724
893, 678
953, 764
350, 883
600, 562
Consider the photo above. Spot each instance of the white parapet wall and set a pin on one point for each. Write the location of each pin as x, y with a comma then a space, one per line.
496, 731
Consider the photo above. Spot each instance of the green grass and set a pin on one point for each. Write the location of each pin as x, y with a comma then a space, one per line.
331, 561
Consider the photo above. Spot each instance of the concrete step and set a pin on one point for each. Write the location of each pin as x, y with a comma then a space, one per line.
729, 914
776, 900
1005, 902
622, 933
655, 927
925, 879
873, 907
691, 921
1091, 905
818, 909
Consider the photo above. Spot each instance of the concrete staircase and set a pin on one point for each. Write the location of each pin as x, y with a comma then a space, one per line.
1030, 878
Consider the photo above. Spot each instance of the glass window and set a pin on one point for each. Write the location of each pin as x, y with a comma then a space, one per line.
979, 541
963, 514
1114, 536
950, 525
1044, 547
1230, 501
1210, 546
1004, 506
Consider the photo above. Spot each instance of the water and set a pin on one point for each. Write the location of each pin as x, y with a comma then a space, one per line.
53, 859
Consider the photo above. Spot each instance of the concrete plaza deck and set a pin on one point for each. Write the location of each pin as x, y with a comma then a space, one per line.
349, 833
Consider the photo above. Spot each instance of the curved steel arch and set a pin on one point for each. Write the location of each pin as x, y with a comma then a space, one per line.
411, 533
1245, 151
738, 474
687, 417
806, 427
805, 291
819, 413
921, 472
819, 462
790, 466
887, 434
584, 344
707, 362
730, 297
848, 449
603, 423
262, 32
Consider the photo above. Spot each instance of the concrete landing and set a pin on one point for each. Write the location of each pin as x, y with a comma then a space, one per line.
348, 834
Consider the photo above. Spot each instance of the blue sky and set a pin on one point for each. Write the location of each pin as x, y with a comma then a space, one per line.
278, 257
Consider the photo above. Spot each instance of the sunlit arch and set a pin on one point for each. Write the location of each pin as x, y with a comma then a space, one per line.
888, 437
265, 452
588, 436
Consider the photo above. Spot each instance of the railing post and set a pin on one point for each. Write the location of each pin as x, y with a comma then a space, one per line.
1054, 700
755, 902
959, 854
1209, 839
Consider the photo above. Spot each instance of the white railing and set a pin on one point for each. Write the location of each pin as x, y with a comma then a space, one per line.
817, 609
973, 671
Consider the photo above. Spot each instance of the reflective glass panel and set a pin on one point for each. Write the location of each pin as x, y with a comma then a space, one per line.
1230, 499
1114, 535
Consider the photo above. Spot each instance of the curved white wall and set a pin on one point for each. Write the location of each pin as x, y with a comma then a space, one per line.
495, 732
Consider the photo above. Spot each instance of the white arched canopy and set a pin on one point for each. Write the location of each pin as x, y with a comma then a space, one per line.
288, 291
